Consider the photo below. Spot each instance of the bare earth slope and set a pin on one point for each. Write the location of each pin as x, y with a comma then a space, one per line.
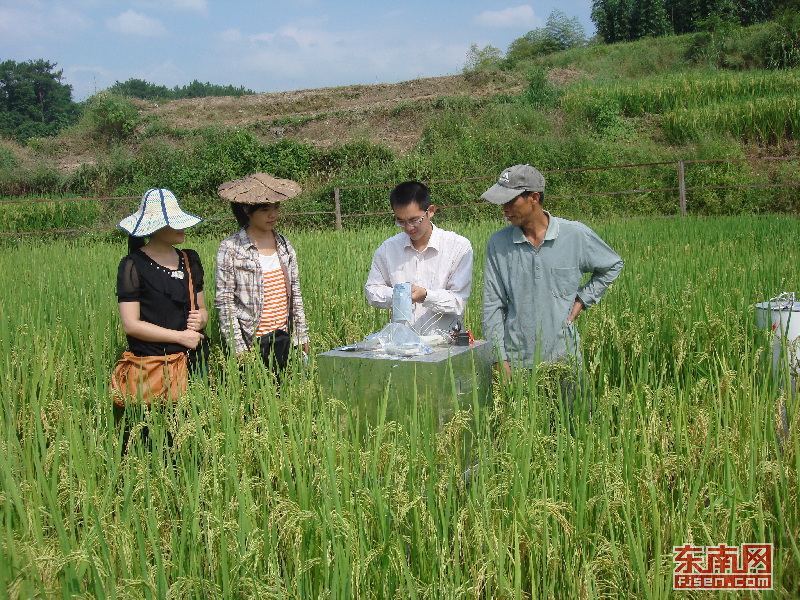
392, 114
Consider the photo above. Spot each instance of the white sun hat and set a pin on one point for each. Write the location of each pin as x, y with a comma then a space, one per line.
159, 209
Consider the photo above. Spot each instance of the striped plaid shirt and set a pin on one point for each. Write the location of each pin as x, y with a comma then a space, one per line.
240, 290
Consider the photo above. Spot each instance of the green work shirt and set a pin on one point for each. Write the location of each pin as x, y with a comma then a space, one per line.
528, 292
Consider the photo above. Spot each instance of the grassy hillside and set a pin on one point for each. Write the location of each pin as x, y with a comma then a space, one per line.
693, 97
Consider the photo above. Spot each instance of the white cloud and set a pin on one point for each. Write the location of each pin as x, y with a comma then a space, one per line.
87, 80
287, 39
95, 69
288, 52
199, 6
294, 57
307, 39
40, 23
67, 21
196, 6
16, 25
167, 73
230, 37
516, 17
133, 23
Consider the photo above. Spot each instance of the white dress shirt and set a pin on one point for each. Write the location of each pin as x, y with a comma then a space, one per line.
443, 268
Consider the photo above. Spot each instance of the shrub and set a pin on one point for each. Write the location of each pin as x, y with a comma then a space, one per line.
38, 178
355, 155
289, 159
8, 160
109, 117
783, 49
216, 156
104, 178
487, 58
540, 93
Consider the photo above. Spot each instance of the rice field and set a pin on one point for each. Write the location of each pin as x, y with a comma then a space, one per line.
662, 93
753, 105
247, 491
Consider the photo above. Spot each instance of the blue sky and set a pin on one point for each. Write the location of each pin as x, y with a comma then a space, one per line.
264, 46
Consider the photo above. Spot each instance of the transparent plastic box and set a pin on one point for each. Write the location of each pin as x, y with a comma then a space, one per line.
437, 384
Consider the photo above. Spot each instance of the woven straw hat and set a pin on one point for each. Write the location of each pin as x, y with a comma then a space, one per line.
258, 188
159, 208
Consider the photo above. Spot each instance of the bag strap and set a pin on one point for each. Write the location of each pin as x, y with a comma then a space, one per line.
191, 285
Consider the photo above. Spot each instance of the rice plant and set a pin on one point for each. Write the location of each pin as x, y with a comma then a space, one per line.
248, 489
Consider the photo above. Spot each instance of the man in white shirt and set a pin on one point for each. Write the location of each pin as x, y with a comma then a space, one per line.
437, 263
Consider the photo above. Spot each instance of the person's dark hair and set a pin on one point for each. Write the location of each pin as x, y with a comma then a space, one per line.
408, 192
134, 243
243, 211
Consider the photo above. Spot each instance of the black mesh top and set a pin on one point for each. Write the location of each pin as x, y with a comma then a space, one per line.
162, 294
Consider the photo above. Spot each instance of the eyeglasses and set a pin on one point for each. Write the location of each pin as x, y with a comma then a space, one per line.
411, 222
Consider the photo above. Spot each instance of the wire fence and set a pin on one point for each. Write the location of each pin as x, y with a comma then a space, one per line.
680, 190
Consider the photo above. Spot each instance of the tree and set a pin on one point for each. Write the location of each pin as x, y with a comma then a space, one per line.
33, 100
560, 33
756, 11
485, 59
201, 90
138, 88
536, 42
564, 32
629, 20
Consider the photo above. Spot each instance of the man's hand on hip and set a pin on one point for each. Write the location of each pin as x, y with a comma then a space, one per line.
576, 310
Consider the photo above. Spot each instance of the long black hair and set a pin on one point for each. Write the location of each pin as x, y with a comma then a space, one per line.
134, 243
241, 213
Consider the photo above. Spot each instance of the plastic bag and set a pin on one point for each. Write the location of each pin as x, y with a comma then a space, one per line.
401, 303
400, 340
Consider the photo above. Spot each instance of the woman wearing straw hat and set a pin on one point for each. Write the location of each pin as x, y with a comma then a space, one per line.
258, 282
158, 315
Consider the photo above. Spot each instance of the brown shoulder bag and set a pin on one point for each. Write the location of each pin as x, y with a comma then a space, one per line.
146, 378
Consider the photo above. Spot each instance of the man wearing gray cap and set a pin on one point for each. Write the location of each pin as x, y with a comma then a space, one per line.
532, 290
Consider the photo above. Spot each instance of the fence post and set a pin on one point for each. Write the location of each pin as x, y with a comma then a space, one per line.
337, 208
682, 187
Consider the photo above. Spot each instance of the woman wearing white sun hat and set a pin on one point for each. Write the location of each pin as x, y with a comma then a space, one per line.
153, 290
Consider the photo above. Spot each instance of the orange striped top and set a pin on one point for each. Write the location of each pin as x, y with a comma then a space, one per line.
275, 311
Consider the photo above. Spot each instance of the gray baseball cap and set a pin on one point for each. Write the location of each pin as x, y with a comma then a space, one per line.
514, 181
